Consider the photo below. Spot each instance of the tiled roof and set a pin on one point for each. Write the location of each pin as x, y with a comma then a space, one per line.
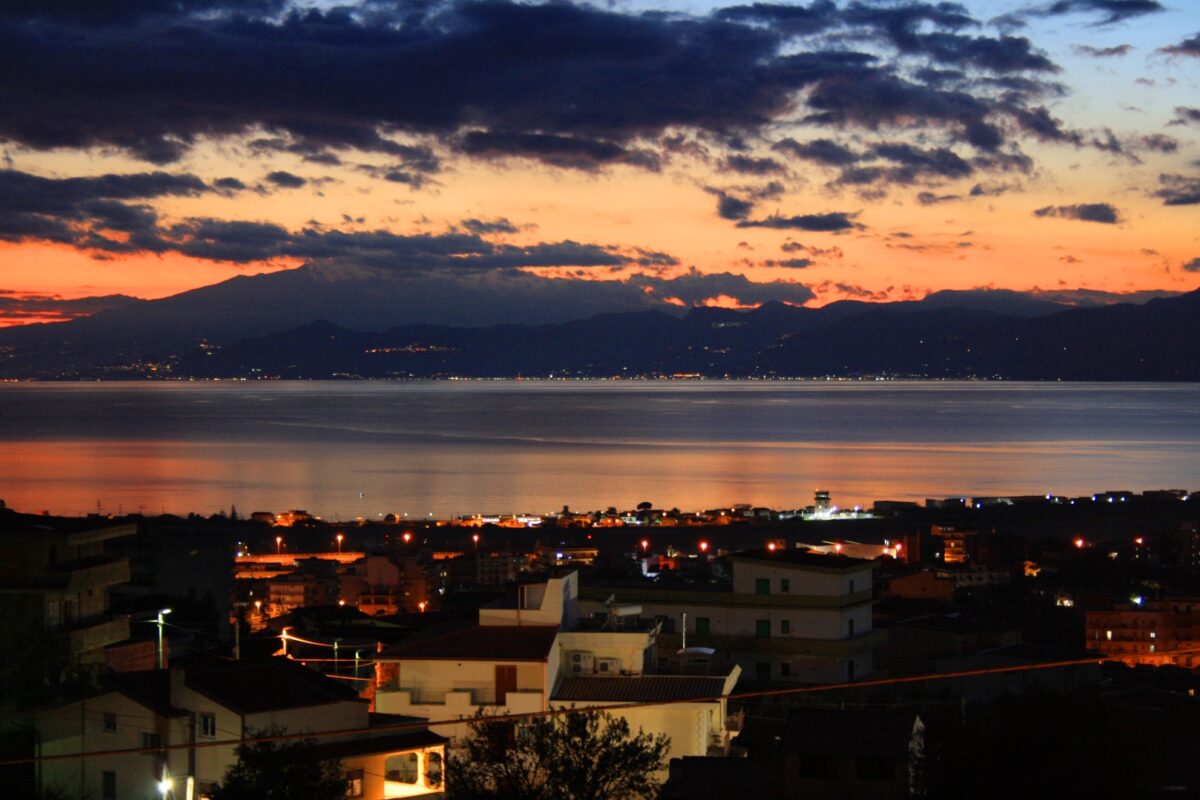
701, 777
251, 687
802, 558
477, 643
151, 688
639, 688
858, 733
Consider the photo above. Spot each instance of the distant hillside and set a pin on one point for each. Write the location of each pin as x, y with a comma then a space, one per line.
334, 330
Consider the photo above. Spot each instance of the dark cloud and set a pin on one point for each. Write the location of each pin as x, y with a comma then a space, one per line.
569, 152
1158, 142
1188, 47
1179, 190
748, 165
1193, 265
96, 214
574, 86
1111, 10
228, 185
822, 151
831, 222
285, 180
694, 288
86, 211
931, 199
1185, 115
1103, 52
791, 263
483, 227
1085, 212
24, 308
730, 207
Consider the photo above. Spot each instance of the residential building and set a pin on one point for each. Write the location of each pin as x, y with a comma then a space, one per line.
216, 705
534, 653
59, 579
786, 616
1156, 631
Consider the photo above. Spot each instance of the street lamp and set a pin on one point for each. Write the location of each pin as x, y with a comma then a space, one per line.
407, 537
283, 637
278, 545
336, 666
645, 546
340, 537
162, 662
704, 547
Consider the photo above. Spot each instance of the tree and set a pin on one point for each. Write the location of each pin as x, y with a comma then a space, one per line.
586, 755
288, 770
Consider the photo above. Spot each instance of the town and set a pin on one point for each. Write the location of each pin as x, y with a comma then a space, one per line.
968, 644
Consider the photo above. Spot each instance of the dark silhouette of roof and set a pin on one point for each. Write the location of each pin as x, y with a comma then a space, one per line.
150, 688
251, 687
639, 688
854, 733
390, 743
478, 643
801, 558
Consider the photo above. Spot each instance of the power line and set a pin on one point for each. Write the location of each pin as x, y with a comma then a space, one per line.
611, 707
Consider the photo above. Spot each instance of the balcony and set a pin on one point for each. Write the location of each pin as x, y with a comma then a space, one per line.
91, 635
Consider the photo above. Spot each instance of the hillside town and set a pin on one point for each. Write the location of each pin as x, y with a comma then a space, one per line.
892, 651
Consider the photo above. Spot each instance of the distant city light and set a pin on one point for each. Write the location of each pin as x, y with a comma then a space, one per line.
704, 547
1080, 542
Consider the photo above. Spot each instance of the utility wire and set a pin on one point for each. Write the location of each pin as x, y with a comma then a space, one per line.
614, 707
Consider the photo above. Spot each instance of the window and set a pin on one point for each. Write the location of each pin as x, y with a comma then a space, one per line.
849, 627
850, 670
762, 585
762, 628
703, 626
208, 726
401, 768
354, 783
785, 669
762, 671
852, 586
785, 584
151, 741
110, 722
433, 769
785, 626
108, 785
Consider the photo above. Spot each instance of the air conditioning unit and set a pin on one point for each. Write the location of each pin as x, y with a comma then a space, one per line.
608, 666
581, 662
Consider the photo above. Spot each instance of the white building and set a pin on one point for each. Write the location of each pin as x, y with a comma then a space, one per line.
160, 713
787, 616
535, 654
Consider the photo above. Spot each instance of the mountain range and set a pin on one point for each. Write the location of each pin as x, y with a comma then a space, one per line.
299, 324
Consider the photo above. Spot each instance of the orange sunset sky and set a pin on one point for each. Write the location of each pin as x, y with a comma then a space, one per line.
823, 150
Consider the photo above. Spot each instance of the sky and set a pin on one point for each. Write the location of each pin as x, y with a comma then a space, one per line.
600, 156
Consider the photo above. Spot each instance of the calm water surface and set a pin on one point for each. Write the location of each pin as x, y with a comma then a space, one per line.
366, 449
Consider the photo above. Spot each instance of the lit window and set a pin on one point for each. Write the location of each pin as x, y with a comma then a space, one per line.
1153, 635
354, 783
401, 768
1108, 635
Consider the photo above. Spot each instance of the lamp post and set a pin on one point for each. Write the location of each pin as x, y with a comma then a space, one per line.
340, 537
336, 666
162, 661
278, 545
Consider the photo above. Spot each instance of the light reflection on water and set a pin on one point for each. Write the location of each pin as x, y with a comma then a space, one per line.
528, 446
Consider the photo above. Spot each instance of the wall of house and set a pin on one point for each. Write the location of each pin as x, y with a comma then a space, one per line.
802, 581
80, 727
628, 648
374, 770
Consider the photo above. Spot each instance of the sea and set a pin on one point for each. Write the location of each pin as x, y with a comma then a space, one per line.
365, 449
